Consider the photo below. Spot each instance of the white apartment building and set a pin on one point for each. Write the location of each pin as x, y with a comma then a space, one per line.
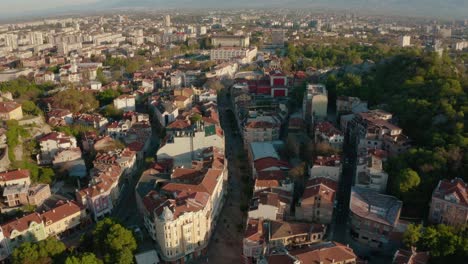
327, 167
182, 225
405, 41
125, 102
314, 106
52, 143
369, 171
228, 53
230, 41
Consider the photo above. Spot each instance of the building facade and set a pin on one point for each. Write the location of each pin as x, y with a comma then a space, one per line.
449, 203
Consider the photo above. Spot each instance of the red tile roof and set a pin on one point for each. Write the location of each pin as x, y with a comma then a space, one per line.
324, 187
410, 257
269, 162
254, 230
456, 187
60, 212
333, 160
20, 224
6, 107
327, 129
179, 124
14, 175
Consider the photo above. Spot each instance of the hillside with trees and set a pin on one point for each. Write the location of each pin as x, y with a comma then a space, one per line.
428, 96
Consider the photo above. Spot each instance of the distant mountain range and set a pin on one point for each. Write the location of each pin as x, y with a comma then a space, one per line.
447, 9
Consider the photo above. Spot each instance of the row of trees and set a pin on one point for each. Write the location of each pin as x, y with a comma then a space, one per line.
109, 242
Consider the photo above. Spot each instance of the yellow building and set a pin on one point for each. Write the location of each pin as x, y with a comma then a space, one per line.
62, 218
10, 111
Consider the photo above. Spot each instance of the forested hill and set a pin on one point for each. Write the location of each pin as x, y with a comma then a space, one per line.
428, 96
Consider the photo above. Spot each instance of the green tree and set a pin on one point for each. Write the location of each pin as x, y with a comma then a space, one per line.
107, 96
46, 175
75, 101
100, 77
85, 258
30, 107
195, 118
44, 251
412, 235
111, 112
408, 179
114, 242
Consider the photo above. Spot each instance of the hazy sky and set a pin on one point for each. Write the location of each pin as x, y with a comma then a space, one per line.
9, 7
437, 8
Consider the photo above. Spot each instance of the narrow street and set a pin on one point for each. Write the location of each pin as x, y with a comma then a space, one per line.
126, 210
226, 242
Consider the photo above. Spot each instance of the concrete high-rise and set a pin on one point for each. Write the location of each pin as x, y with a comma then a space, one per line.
167, 21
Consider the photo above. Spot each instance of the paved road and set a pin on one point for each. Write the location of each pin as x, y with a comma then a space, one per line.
226, 243
126, 210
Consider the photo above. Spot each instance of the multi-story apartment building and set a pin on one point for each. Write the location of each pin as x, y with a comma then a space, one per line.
230, 41
276, 179
323, 253
318, 201
165, 111
315, 103
52, 143
94, 120
262, 236
181, 216
35, 227
29, 228
261, 128
410, 257
346, 104
373, 129
449, 203
15, 177
325, 132
293, 234
272, 204
125, 102
327, 167
194, 139
15, 195
63, 217
369, 170
255, 239
373, 216
102, 193
246, 55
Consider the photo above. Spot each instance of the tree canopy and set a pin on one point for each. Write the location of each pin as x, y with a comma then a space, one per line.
114, 242
85, 258
445, 244
45, 251
427, 95
75, 101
